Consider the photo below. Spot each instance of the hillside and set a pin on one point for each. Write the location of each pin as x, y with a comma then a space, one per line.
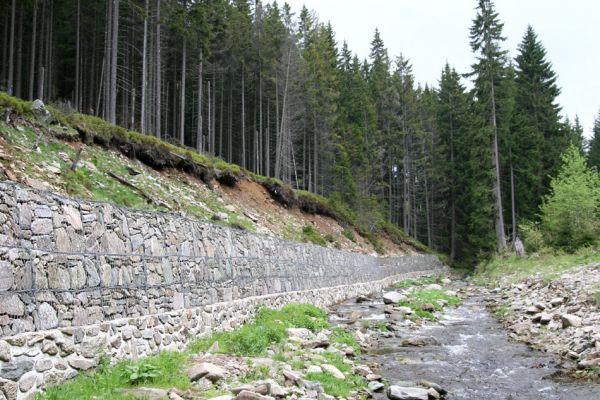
133, 170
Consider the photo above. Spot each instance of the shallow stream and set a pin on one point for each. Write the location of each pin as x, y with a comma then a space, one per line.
470, 355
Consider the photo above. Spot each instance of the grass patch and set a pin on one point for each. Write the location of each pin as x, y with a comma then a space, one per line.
311, 234
268, 328
348, 234
164, 370
334, 386
502, 311
417, 299
425, 280
342, 336
548, 266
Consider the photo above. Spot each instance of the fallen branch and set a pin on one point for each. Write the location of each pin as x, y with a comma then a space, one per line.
132, 186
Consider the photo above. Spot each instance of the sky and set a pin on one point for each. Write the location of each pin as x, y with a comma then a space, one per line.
432, 32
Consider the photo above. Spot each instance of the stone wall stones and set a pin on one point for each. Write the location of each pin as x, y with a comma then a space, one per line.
77, 278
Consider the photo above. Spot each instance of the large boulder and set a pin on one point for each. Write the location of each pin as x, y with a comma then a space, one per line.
40, 111
393, 297
395, 392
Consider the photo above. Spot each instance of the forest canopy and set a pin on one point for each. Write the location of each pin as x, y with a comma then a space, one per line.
458, 169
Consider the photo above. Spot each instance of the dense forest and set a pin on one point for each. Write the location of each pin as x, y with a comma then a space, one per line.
253, 84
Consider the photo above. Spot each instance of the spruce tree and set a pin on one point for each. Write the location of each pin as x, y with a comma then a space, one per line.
593, 155
488, 73
540, 140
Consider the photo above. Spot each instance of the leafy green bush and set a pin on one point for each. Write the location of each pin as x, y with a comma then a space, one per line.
141, 372
532, 235
571, 212
349, 235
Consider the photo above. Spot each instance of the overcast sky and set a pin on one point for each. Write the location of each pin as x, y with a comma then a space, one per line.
431, 32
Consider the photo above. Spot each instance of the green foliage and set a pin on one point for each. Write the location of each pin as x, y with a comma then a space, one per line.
510, 268
342, 336
268, 328
19, 106
424, 280
349, 234
502, 311
334, 386
311, 234
418, 298
164, 370
141, 372
570, 214
532, 235
593, 155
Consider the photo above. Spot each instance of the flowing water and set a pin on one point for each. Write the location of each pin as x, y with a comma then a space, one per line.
470, 356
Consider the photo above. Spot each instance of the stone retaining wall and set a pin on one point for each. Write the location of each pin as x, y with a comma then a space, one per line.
78, 277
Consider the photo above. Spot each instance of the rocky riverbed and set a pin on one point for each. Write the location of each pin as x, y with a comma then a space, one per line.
428, 338
465, 354
561, 316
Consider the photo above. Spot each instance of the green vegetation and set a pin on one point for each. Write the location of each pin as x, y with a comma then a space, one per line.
570, 215
311, 234
547, 265
341, 335
268, 328
334, 386
164, 370
424, 280
349, 234
596, 294
417, 299
502, 311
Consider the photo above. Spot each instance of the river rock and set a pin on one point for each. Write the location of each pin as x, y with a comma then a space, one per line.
333, 371
300, 333
570, 320
407, 393
419, 341
292, 375
314, 369
250, 395
375, 386
393, 297
404, 310
206, 370
147, 393
557, 301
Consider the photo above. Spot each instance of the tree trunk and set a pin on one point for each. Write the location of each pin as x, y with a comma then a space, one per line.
11, 54
114, 43
18, 74
500, 236
199, 139
32, 57
243, 120
513, 205
182, 106
77, 59
143, 126
157, 90
209, 114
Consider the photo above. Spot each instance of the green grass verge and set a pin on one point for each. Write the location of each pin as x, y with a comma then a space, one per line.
548, 266
167, 369
342, 336
334, 386
164, 370
268, 328
417, 299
